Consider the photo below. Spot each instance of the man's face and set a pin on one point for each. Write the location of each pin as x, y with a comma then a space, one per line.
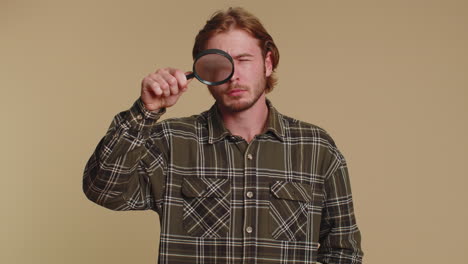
247, 84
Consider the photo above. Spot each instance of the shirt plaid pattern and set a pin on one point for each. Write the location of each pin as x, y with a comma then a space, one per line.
284, 197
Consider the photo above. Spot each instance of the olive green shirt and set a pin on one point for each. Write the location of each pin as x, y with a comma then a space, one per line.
285, 197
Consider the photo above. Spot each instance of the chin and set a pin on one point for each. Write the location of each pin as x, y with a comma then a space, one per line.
238, 105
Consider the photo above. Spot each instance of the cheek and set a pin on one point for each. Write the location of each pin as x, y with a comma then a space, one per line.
250, 69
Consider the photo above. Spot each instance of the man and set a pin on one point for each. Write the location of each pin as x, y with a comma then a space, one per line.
240, 183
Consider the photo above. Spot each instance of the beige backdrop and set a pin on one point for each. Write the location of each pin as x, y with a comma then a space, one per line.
388, 80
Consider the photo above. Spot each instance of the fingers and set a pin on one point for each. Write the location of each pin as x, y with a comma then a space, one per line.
167, 82
163, 87
171, 85
180, 79
151, 85
160, 85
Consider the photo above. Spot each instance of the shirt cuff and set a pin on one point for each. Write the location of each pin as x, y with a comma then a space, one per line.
141, 119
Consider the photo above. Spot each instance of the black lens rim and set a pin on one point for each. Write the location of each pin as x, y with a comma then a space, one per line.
213, 51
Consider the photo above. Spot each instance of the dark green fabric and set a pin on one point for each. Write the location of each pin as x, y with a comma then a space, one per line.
197, 176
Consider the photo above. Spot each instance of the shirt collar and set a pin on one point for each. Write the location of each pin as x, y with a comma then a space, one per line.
217, 131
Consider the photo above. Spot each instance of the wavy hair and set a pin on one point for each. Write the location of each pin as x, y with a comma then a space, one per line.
239, 18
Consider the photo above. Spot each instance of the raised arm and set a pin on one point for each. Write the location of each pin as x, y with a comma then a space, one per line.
126, 171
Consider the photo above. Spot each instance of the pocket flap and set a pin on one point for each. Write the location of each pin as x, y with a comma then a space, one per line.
292, 191
205, 187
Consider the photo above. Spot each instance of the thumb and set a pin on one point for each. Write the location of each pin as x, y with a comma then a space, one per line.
189, 76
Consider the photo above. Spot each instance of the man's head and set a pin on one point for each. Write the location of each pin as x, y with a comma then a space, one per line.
235, 19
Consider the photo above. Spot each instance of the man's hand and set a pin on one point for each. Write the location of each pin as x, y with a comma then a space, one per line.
163, 88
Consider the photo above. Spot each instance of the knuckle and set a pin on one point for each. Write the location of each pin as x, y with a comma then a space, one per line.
155, 85
172, 81
164, 86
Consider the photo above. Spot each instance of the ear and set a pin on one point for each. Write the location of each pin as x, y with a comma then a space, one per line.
268, 64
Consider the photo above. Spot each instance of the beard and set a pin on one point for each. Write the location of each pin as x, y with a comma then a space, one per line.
237, 104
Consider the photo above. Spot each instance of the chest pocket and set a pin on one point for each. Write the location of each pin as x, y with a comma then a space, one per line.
291, 209
206, 206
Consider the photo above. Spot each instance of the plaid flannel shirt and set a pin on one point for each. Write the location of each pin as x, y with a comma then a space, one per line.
284, 197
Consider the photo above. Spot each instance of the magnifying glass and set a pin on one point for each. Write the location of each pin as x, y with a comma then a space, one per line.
212, 67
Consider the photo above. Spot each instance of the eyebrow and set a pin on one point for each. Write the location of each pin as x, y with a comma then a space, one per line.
242, 55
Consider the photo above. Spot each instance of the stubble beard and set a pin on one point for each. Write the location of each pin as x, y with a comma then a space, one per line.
237, 105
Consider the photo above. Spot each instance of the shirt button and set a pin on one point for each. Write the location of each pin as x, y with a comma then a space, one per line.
249, 156
250, 194
139, 117
249, 229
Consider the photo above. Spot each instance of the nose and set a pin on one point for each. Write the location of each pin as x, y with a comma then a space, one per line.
235, 75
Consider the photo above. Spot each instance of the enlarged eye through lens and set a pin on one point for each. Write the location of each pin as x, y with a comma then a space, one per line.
212, 67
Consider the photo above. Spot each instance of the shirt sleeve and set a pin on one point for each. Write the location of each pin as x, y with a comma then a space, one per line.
126, 171
340, 238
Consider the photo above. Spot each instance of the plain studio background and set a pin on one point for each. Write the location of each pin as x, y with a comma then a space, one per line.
387, 79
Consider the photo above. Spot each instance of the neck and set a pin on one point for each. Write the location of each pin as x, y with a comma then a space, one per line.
247, 123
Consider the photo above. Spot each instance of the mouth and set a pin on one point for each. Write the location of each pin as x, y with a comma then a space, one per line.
236, 92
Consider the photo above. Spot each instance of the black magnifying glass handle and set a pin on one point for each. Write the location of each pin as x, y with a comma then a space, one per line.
190, 76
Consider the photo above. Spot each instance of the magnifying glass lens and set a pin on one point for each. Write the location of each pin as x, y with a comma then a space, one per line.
214, 68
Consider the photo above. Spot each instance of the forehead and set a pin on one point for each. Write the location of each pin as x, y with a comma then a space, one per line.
235, 42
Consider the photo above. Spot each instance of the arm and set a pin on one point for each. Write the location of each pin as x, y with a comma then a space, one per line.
117, 176
340, 238
126, 171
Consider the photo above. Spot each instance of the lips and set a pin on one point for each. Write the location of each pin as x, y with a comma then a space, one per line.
236, 92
